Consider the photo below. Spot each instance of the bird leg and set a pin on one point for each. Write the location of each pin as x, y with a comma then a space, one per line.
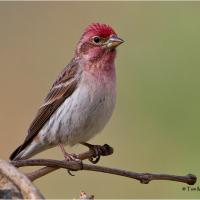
69, 157
98, 150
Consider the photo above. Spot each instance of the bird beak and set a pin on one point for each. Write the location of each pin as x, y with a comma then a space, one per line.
114, 41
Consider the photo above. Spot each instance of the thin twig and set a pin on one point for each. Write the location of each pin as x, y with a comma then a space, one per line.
76, 166
108, 150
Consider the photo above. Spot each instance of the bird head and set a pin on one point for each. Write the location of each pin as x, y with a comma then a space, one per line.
98, 41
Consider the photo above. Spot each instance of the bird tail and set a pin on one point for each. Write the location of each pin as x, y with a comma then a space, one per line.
24, 152
15, 154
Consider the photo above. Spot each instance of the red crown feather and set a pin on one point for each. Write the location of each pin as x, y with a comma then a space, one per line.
102, 30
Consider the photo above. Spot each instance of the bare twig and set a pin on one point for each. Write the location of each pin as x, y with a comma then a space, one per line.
108, 150
76, 166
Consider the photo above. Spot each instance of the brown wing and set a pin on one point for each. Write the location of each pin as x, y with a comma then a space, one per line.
62, 88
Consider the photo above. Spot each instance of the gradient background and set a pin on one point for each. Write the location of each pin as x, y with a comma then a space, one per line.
155, 126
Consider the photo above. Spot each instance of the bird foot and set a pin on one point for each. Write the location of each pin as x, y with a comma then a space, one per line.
71, 157
98, 151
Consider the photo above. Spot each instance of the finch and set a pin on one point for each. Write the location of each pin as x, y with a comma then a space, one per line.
81, 100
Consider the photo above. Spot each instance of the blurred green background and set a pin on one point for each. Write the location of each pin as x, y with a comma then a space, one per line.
155, 126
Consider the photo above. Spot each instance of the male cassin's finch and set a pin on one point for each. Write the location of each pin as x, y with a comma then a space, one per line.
82, 98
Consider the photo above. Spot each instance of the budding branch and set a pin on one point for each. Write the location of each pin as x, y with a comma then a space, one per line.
52, 165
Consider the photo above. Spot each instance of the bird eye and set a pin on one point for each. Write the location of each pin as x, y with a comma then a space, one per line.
96, 39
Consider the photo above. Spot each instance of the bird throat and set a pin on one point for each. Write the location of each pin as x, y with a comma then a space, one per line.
104, 64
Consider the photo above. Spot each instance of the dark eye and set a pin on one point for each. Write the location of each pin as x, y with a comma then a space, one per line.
96, 39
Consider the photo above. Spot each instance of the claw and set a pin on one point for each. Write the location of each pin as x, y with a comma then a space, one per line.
94, 160
70, 173
98, 151
69, 157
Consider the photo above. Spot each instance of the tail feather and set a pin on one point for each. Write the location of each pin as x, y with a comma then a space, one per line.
24, 152
14, 154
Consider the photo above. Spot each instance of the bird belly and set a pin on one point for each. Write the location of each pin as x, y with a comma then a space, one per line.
82, 115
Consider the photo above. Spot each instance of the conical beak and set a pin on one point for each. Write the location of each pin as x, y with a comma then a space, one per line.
114, 41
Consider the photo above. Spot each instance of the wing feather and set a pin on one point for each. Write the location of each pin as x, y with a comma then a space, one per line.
62, 88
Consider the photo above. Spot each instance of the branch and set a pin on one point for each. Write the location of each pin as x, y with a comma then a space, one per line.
53, 165
15, 185
107, 150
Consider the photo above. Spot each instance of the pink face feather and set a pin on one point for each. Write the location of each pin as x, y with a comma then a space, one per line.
103, 48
